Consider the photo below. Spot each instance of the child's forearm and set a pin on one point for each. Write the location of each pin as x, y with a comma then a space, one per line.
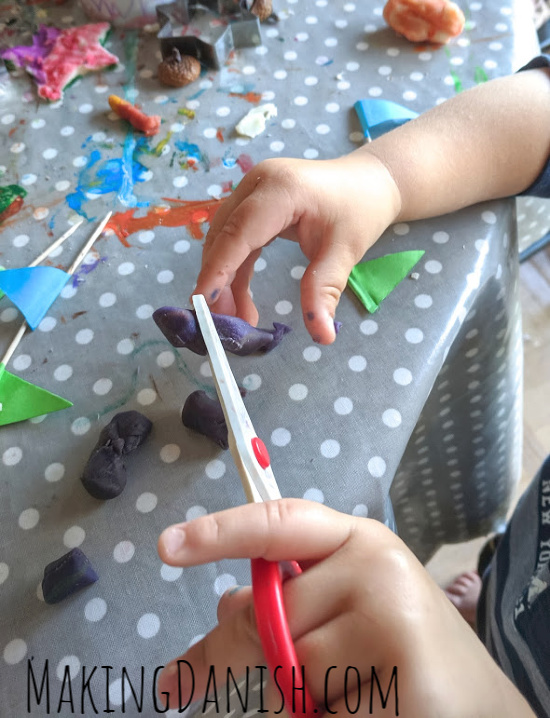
489, 142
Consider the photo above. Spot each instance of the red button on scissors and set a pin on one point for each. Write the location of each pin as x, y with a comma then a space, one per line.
252, 461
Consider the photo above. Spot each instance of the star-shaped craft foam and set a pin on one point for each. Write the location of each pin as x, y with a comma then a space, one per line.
56, 60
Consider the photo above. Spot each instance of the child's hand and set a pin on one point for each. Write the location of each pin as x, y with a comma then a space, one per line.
335, 209
362, 601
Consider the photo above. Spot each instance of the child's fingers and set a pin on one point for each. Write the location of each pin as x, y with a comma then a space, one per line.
322, 285
232, 601
274, 530
252, 224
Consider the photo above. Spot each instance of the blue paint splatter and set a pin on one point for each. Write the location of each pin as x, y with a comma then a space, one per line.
114, 175
228, 160
190, 150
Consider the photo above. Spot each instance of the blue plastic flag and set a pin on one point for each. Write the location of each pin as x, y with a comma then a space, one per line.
33, 290
380, 116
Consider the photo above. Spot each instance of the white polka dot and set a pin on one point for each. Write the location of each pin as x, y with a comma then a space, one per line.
63, 372
28, 519
72, 663
332, 107
146, 502
123, 551
210, 132
298, 392
144, 311
54, 472
28, 179
423, 301
86, 108
280, 437
148, 625
215, 190
391, 418
283, 307
251, 382
146, 236
343, 405
66, 131
205, 369
414, 335
126, 268
215, 469
9, 314
165, 276
297, 272
74, 536
68, 291
300, 100
17, 148
170, 573
301, 37
311, 153
357, 363
12, 456
7, 119
21, 240
330, 448
401, 229
170, 453
47, 324
433, 266
146, 396
95, 609
107, 299
49, 154
376, 466
15, 651
223, 583
402, 376
280, 74
322, 129
22, 362
290, 55
440, 237
166, 359
195, 512
489, 217
102, 387
277, 146
182, 246
360, 510
311, 354
80, 426
84, 336
180, 181
260, 264
4, 572
125, 346
368, 327
314, 494
288, 124
223, 111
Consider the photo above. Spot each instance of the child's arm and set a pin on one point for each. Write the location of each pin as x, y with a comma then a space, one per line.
488, 142
363, 601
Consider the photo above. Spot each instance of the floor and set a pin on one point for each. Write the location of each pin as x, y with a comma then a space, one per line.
535, 297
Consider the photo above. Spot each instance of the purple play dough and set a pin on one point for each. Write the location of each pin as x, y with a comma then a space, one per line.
67, 575
181, 328
31, 57
205, 415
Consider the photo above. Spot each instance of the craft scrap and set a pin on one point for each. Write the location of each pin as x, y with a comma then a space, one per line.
254, 122
380, 116
57, 57
374, 280
148, 124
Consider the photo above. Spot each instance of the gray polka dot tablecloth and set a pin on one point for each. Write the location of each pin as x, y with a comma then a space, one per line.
417, 406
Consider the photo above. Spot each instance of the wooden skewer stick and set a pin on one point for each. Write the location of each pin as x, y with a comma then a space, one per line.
84, 251
86, 248
56, 244
14, 343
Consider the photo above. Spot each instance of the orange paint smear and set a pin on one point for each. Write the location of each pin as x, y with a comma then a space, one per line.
184, 213
253, 97
219, 134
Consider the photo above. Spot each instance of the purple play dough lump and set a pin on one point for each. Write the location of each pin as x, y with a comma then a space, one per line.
104, 476
205, 415
67, 575
181, 328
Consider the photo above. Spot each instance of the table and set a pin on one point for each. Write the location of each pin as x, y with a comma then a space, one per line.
421, 400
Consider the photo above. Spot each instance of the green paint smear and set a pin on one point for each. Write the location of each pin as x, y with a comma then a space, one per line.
480, 75
456, 81
129, 393
9, 194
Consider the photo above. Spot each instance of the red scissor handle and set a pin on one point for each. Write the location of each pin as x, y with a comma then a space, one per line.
277, 644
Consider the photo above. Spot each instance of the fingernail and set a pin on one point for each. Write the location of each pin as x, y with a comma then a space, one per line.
233, 591
173, 540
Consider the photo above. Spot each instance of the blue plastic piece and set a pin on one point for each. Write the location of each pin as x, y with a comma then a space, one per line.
380, 116
33, 290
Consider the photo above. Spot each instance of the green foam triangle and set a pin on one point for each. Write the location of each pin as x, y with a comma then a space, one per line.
373, 280
22, 400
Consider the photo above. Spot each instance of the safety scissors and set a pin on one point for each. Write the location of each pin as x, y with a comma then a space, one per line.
253, 463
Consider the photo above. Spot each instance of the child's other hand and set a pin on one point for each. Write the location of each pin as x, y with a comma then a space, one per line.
335, 210
363, 600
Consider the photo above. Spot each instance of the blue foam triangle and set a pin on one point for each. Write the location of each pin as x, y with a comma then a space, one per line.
33, 290
380, 116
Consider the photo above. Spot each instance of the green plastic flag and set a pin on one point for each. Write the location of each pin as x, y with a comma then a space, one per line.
372, 281
20, 400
